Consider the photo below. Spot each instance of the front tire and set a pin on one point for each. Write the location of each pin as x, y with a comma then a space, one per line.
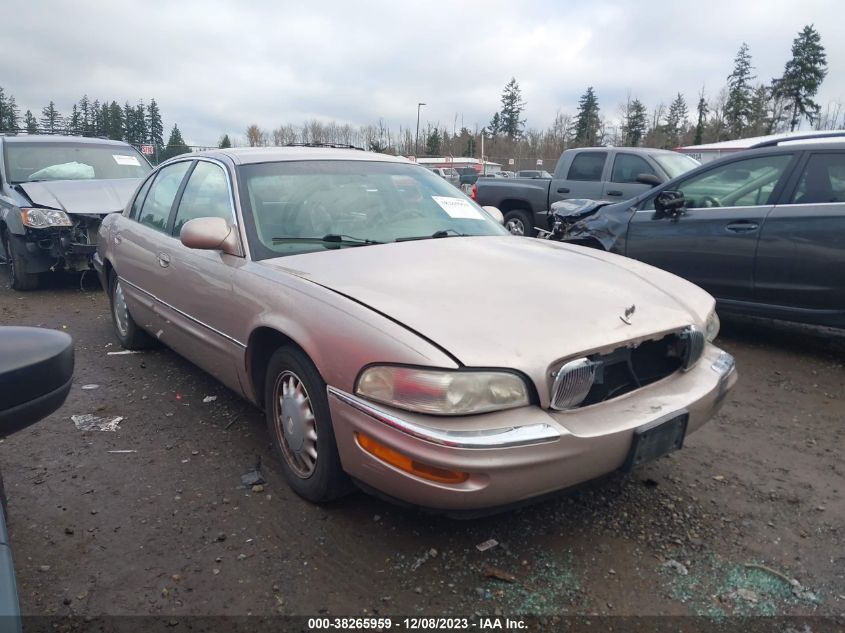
520, 222
130, 335
19, 279
299, 422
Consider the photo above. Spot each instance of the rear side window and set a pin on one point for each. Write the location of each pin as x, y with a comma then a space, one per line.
139, 199
823, 180
206, 196
162, 193
587, 166
626, 168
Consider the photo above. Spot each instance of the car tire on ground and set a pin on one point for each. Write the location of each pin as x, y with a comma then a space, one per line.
19, 279
130, 335
519, 222
299, 421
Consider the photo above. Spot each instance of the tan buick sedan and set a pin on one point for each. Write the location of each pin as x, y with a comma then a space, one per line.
397, 336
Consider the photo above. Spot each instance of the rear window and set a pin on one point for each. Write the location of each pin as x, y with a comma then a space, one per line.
587, 166
68, 160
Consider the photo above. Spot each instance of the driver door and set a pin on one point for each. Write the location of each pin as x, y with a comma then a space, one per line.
713, 243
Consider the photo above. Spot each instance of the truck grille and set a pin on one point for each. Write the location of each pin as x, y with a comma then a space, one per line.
602, 377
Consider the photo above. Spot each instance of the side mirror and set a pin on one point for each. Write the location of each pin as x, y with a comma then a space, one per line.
668, 204
497, 215
36, 370
648, 179
210, 234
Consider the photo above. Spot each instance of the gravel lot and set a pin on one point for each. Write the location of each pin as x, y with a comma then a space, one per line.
748, 519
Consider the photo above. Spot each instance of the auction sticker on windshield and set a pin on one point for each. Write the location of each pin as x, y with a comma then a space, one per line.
458, 208
122, 159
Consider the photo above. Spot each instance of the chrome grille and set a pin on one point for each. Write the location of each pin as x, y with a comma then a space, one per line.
572, 383
694, 347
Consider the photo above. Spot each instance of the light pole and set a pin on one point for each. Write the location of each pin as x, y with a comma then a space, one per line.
417, 138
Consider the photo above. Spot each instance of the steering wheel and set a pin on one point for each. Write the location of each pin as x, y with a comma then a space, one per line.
710, 201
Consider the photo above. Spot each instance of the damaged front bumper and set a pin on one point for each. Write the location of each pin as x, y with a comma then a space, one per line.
62, 248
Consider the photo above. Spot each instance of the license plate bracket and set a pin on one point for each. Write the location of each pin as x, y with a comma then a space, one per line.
657, 439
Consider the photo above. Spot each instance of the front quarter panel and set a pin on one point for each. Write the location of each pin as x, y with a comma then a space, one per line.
340, 335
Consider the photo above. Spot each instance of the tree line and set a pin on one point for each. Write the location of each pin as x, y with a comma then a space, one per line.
137, 125
742, 108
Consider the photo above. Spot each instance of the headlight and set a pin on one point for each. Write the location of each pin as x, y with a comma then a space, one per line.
44, 218
442, 392
711, 328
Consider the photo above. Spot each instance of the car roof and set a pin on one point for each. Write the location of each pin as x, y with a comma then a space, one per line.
55, 138
250, 155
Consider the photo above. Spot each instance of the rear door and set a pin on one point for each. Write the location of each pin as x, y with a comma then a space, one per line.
623, 182
584, 178
801, 257
714, 242
142, 240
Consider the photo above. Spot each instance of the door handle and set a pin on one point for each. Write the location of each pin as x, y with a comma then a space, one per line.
163, 260
743, 226
563, 189
614, 193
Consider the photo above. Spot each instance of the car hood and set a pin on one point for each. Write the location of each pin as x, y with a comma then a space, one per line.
507, 301
81, 196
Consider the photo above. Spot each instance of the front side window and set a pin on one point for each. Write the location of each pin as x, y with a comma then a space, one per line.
587, 166
823, 180
294, 207
162, 193
69, 160
626, 168
739, 183
206, 196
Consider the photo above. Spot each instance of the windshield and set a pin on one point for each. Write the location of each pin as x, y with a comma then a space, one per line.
291, 206
67, 160
675, 164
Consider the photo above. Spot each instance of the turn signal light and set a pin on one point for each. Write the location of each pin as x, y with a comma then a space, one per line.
403, 462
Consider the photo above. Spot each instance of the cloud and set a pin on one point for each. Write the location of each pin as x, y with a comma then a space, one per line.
215, 67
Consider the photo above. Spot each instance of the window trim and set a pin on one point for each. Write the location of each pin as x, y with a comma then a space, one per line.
222, 167
577, 156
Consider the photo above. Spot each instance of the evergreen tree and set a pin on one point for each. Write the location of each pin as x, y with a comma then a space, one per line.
676, 121
495, 125
85, 113
433, 143
129, 126
512, 107
12, 118
802, 76
224, 142
3, 106
702, 110
175, 145
116, 130
142, 132
97, 127
74, 124
635, 123
155, 128
587, 120
759, 121
738, 104
30, 123
467, 140
105, 120
51, 119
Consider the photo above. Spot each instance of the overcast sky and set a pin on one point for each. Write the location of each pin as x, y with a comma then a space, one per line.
216, 66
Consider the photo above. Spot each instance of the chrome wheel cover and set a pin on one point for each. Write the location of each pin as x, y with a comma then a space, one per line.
515, 226
121, 312
295, 424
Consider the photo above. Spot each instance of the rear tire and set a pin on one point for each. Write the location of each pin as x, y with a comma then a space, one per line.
520, 222
19, 279
130, 335
300, 425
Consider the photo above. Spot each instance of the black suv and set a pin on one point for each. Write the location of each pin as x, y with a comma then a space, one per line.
763, 230
54, 191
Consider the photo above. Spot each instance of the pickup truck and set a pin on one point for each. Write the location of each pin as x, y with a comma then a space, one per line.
596, 173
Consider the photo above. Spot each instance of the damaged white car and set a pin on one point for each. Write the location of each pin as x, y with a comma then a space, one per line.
54, 192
